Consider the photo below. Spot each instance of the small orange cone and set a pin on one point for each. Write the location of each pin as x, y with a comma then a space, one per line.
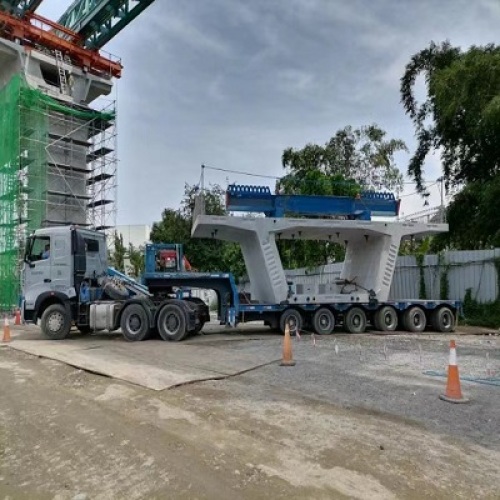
17, 321
287, 349
6, 330
453, 392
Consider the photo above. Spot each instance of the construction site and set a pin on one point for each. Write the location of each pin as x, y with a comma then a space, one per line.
283, 386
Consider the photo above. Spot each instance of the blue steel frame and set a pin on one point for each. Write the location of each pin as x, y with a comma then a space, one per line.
259, 199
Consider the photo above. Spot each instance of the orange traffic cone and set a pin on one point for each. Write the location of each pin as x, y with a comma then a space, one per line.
287, 349
17, 320
6, 330
453, 392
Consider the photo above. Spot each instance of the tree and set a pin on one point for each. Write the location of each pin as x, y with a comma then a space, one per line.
118, 255
203, 254
473, 217
351, 161
136, 258
461, 114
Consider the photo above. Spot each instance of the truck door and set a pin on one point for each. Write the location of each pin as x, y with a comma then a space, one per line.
61, 263
37, 269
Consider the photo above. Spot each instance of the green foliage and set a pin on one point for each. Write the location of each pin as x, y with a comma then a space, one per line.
486, 315
341, 167
203, 254
473, 217
461, 115
137, 261
118, 255
348, 158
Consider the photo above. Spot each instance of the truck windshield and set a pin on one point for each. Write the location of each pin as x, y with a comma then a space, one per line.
38, 248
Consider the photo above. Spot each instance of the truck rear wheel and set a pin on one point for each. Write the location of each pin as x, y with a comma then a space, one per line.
134, 323
293, 318
355, 320
414, 319
386, 319
56, 322
443, 320
323, 321
172, 323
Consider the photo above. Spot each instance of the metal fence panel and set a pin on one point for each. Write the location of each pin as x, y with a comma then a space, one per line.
474, 269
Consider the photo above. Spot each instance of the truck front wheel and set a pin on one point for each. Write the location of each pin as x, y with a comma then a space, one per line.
134, 323
56, 322
172, 323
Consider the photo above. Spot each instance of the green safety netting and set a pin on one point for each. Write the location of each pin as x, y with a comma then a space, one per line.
24, 128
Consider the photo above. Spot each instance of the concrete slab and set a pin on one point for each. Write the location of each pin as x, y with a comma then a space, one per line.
154, 364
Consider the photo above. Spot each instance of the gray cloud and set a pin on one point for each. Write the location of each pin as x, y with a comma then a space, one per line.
231, 84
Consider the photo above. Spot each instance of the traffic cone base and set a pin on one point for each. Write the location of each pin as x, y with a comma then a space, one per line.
453, 392
287, 349
6, 331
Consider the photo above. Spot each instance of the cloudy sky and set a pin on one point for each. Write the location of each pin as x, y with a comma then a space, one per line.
232, 83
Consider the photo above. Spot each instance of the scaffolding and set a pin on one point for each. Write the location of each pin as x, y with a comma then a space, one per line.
57, 167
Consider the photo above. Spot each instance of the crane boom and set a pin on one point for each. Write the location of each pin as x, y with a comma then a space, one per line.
19, 7
98, 21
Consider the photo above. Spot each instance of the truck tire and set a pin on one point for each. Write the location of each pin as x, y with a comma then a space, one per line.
56, 322
386, 319
172, 323
355, 320
135, 323
115, 290
414, 319
293, 318
443, 320
323, 321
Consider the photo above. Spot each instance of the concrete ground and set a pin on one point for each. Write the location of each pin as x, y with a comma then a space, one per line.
217, 417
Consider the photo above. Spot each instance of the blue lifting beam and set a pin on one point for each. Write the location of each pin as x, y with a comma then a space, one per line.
259, 199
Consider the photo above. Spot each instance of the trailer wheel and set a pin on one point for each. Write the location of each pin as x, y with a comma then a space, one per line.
172, 323
56, 322
323, 321
355, 320
414, 319
443, 320
134, 323
386, 319
293, 318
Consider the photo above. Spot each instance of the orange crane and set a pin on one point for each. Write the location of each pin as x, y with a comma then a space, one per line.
81, 31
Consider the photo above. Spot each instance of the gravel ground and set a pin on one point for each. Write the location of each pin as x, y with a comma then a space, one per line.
355, 418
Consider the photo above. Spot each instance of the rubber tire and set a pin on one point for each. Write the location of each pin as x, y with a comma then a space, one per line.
180, 332
409, 317
351, 318
114, 291
295, 317
143, 331
380, 319
328, 316
65, 328
443, 320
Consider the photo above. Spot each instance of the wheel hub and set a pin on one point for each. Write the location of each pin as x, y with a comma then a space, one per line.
55, 322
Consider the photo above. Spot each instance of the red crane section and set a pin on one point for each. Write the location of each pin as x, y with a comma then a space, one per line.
35, 30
